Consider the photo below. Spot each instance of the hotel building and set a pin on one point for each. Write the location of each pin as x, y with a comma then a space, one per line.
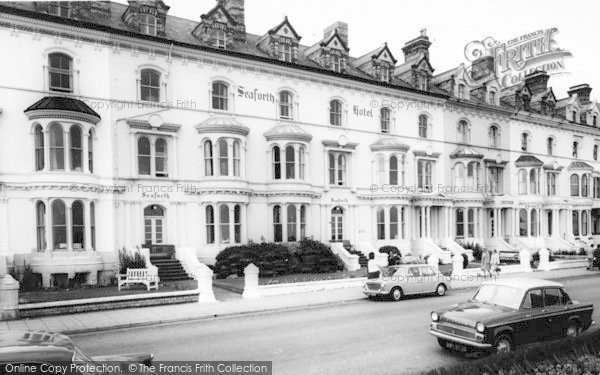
123, 127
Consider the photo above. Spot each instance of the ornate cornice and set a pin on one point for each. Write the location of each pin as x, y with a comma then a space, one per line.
61, 114
145, 125
336, 144
222, 125
427, 154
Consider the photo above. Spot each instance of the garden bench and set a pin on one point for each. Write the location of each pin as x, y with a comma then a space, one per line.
139, 276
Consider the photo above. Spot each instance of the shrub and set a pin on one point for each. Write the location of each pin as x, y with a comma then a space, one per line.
394, 255
127, 260
31, 281
582, 252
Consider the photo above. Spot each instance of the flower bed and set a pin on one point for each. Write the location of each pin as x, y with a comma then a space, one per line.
569, 356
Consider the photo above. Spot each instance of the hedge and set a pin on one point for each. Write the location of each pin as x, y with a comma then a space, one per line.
580, 355
275, 259
394, 255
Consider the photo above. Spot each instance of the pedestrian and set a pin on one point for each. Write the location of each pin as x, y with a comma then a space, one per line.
372, 267
485, 263
590, 256
495, 262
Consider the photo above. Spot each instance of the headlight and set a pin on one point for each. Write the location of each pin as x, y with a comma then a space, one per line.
480, 327
434, 316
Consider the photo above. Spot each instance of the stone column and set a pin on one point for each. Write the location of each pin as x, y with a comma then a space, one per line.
529, 222
87, 222
231, 224
296, 162
69, 231
421, 232
428, 220
85, 150
46, 150
230, 157
251, 282
66, 150
386, 222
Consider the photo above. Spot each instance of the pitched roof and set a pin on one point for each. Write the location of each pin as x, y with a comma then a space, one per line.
465, 153
579, 165
222, 124
374, 54
528, 160
389, 144
289, 25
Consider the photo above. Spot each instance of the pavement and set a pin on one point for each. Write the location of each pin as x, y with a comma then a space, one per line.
228, 304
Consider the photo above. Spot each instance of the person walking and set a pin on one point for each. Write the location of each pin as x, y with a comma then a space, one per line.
495, 262
372, 267
485, 263
590, 257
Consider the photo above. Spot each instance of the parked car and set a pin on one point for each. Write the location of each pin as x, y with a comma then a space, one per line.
39, 352
505, 313
404, 279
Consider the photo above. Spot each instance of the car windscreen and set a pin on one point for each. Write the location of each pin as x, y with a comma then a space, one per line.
499, 295
389, 272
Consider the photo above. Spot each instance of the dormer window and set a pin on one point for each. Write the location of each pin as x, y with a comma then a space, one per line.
384, 74
461, 91
61, 72
595, 120
285, 52
583, 118
574, 116
335, 63
59, 8
220, 39
148, 24
492, 97
423, 83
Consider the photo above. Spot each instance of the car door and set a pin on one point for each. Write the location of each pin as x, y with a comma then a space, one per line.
412, 284
428, 279
531, 324
556, 317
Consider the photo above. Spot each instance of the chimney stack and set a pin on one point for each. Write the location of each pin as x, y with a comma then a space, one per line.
342, 30
582, 91
416, 46
537, 81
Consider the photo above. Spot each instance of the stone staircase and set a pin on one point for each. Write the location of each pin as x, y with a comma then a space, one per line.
362, 259
169, 268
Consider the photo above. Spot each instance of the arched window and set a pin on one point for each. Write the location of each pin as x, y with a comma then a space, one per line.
277, 225
291, 223
223, 158
301, 162
393, 223
93, 225
575, 149
208, 158
220, 96
286, 105
534, 223
147, 24
380, 169
39, 148
461, 91
77, 225
524, 141
150, 85
40, 216
550, 146
335, 112
460, 222
276, 162
59, 225
575, 223
224, 223
237, 223
380, 224
290, 162
60, 69
533, 181
302, 222
574, 185
463, 131
494, 136
492, 97
236, 158
143, 156
523, 223
210, 225
423, 123
384, 115
76, 148
393, 170
522, 181
90, 140
57, 147
585, 185
584, 223
161, 158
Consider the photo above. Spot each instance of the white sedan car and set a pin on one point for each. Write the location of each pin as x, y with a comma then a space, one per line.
405, 279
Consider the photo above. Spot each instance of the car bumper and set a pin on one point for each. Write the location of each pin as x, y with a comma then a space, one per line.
460, 340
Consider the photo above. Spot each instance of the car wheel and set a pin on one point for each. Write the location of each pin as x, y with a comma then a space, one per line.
573, 330
503, 344
396, 294
440, 290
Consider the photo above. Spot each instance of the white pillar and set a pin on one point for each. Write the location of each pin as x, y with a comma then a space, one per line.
69, 226
87, 222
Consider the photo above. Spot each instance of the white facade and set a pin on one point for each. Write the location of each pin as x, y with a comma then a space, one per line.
158, 169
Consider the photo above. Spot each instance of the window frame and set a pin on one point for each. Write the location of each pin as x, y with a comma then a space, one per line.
60, 71
147, 84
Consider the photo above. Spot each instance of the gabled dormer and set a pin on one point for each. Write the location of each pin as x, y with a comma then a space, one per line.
222, 25
146, 17
281, 42
332, 52
379, 63
416, 69
523, 98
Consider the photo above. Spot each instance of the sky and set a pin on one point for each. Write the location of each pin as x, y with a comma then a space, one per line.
450, 25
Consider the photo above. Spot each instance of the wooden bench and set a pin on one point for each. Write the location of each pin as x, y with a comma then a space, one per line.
139, 276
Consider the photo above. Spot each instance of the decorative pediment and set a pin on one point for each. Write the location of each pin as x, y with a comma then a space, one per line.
146, 16
528, 161
465, 153
335, 42
285, 29
281, 42
223, 125
424, 64
580, 165
220, 28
